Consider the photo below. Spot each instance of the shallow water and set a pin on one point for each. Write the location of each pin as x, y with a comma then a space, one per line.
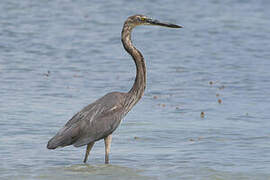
222, 52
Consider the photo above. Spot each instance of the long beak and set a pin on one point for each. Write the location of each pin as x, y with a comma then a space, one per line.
157, 23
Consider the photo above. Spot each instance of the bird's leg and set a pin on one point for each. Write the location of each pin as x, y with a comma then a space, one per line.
107, 141
88, 149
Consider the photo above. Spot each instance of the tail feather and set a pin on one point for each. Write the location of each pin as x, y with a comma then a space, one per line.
55, 142
66, 136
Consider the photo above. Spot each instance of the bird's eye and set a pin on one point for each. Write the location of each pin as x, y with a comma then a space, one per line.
143, 18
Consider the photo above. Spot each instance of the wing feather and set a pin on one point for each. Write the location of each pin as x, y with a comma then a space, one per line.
94, 122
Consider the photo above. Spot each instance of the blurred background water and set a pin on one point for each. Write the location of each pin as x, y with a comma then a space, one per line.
58, 56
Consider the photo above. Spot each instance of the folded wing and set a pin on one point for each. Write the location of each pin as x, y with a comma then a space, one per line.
94, 122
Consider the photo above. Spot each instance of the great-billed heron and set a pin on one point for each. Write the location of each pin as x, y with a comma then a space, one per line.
100, 119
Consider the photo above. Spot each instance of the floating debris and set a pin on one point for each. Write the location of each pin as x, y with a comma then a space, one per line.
47, 74
217, 95
177, 107
155, 97
211, 83
219, 101
135, 137
162, 105
76, 76
221, 87
202, 114
191, 139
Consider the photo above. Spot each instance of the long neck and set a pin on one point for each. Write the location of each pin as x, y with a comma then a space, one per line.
137, 90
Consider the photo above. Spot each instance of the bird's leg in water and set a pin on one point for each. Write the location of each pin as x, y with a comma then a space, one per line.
107, 141
88, 149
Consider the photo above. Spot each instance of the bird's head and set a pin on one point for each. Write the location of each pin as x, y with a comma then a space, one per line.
137, 20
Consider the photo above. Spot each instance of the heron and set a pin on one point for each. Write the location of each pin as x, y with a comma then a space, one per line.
100, 119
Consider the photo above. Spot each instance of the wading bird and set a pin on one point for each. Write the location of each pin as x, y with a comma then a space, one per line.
99, 119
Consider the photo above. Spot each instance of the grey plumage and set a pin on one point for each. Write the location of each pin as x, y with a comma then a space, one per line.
99, 119
92, 123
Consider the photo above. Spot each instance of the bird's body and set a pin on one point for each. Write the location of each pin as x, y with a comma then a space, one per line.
92, 123
100, 119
